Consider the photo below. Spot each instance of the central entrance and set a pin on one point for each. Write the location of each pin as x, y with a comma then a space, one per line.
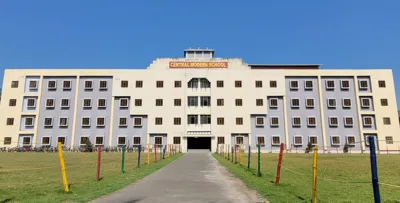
199, 143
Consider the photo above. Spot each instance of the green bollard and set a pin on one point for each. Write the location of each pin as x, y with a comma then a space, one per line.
258, 160
123, 160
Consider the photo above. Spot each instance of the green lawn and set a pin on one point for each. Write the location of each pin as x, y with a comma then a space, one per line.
36, 177
341, 178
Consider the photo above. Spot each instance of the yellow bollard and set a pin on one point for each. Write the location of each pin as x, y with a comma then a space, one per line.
240, 154
148, 154
314, 189
63, 172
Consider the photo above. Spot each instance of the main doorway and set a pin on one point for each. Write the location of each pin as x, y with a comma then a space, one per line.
199, 143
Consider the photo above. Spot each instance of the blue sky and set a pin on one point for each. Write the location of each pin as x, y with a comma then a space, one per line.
132, 33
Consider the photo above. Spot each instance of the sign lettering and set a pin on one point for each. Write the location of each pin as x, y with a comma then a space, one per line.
198, 64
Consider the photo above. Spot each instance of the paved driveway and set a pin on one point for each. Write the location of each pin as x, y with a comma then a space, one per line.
195, 177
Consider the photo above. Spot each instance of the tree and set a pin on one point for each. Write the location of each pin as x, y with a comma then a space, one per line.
88, 146
309, 147
346, 148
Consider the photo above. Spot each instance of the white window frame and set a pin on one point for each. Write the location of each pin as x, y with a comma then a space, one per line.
345, 123
257, 136
118, 140
97, 124
59, 122
308, 121
343, 104
330, 88
294, 140
54, 103
30, 141
335, 144
272, 140
83, 103
362, 103
105, 103
88, 88
363, 88
36, 84
309, 139
291, 103
368, 125
296, 125
329, 106
88, 125
95, 139
49, 141
242, 139
103, 88
270, 103
52, 122
291, 87
33, 121
119, 123
141, 122
330, 123
55, 85
263, 123
80, 140
34, 103
61, 104
162, 140
120, 101
308, 88
341, 85
65, 140
313, 106
70, 85
271, 124
347, 140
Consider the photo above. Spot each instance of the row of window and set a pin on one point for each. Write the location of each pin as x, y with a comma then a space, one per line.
330, 84
346, 103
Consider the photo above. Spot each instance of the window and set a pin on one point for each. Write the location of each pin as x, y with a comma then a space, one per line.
311, 121
88, 85
64, 103
333, 121
309, 103
7, 140
137, 121
274, 121
367, 121
177, 121
158, 121
365, 102
308, 85
330, 84
382, 83
13, 102
33, 85
239, 121
386, 121
63, 122
193, 83
103, 86
49, 103
123, 122
87, 103
29, 121
296, 121
158, 140
276, 140
177, 140
85, 121
138, 102
384, 102
298, 140
259, 102
177, 84
221, 140
193, 119
220, 121
51, 85
220, 102
61, 139
238, 83
331, 103
351, 140
177, 102
45, 140
346, 103
259, 84
335, 140
31, 103
295, 103
159, 84
205, 119
345, 84
26, 141
123, 102
294, 84
238, 102
363, 84
159, 102
259, 121
389, 140
139, 84
101, 121
136, 140
67, 84
124, 83
239, 140
48, 122
121, 140
101, 103
14, 84
204, 83
10, 121
205, 101
273, 103
220, 83
193, 101
272, 84
84, 140
99, 140
260, 141
348, 121
313, 140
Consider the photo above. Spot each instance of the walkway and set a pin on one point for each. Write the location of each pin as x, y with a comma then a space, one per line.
195, 177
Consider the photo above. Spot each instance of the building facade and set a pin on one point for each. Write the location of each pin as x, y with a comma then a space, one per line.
200, 101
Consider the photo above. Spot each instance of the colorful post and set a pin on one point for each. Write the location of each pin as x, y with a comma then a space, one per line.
258, 161
170, 150
374, 169
232, 154
148, 154
228, 152
63, 172
98, 163
235, 154
161, 152
278, 168
155, 152
240, 155
123, 160
138, 161
248, 158
314, 191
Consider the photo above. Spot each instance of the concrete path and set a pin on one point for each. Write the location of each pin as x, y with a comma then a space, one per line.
195, 177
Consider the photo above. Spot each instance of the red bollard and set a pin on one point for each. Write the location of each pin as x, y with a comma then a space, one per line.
98, 163
278, 169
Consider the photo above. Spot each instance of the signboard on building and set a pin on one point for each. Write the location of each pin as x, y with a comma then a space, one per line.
177, 64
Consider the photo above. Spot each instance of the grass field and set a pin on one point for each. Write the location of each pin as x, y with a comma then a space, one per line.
341, 178
36, 177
